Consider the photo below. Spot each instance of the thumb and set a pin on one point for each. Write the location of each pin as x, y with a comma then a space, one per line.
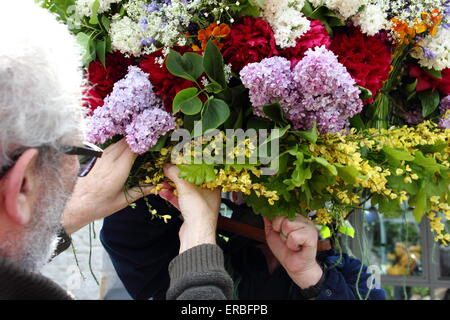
172, 172
136, 193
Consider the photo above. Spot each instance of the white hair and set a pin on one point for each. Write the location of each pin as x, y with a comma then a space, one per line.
40, 79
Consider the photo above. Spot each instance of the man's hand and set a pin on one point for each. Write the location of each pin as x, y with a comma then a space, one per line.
101, 193
294, 244
199, 207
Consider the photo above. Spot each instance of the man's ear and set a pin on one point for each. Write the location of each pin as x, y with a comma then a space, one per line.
19, 188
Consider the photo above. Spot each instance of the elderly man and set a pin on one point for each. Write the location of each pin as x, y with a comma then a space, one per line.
40, 138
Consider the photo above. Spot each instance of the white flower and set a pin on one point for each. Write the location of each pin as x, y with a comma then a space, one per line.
345, 8
84, 7
126, 36
372, 19
228, 72
287, 20
434, 52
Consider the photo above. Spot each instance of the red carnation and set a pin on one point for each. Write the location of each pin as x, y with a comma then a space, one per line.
250, 40
101, 80
165, 84
317, 36
367, 59
427, 81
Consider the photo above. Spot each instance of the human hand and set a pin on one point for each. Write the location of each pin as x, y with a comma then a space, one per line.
101, 193
199, 207
294, 244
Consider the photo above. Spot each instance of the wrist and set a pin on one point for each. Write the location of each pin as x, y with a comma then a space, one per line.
309, 277
192, 235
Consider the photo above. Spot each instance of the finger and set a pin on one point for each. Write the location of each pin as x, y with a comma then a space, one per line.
277, 222
267, 226
169, 196
276, 245
304, 219
296, 240
172, 172
137, 193
290, 226
114, 150
300, 239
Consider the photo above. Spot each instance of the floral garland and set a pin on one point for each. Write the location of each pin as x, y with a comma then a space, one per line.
358, 92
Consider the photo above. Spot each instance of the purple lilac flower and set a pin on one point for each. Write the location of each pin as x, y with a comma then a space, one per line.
445, 109
329, 93
413, 117
319, 89
445, 104
269, 81
146, 128
131, 101
428, 54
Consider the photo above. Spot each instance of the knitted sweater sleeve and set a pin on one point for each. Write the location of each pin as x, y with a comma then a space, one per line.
199, 274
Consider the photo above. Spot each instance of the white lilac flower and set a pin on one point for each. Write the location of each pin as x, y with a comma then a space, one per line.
345, 8
411, 10
84, 7
434, 52
126, 36
372, 19
228, 72
287, 20
162, 23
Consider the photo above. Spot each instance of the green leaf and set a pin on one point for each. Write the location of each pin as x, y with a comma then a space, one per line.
160, 144
325, 232
197, 173
357, 122
189, 66
348, 174
275, 112
307, 9
214, 87
101, 51
365, 94
259, 123
310, 135
187, 100
275, 135
323, 162
347, 229
213, 64
94, 9
398, 154
215, 113
106, 23
433, 72
420, 204
411, 88
428, 163
430, 101
389, 207
86, 43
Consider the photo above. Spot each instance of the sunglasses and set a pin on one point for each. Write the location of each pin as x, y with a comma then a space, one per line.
87, 157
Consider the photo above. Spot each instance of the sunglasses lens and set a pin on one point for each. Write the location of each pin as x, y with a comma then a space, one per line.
86, 164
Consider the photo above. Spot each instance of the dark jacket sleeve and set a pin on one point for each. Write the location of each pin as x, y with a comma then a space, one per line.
346, 279
141, 248
199, 274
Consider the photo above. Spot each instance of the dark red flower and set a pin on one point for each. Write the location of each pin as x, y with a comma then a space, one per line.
316, 36
427, 81
367, 59
250, 40
165, 84
101, 80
